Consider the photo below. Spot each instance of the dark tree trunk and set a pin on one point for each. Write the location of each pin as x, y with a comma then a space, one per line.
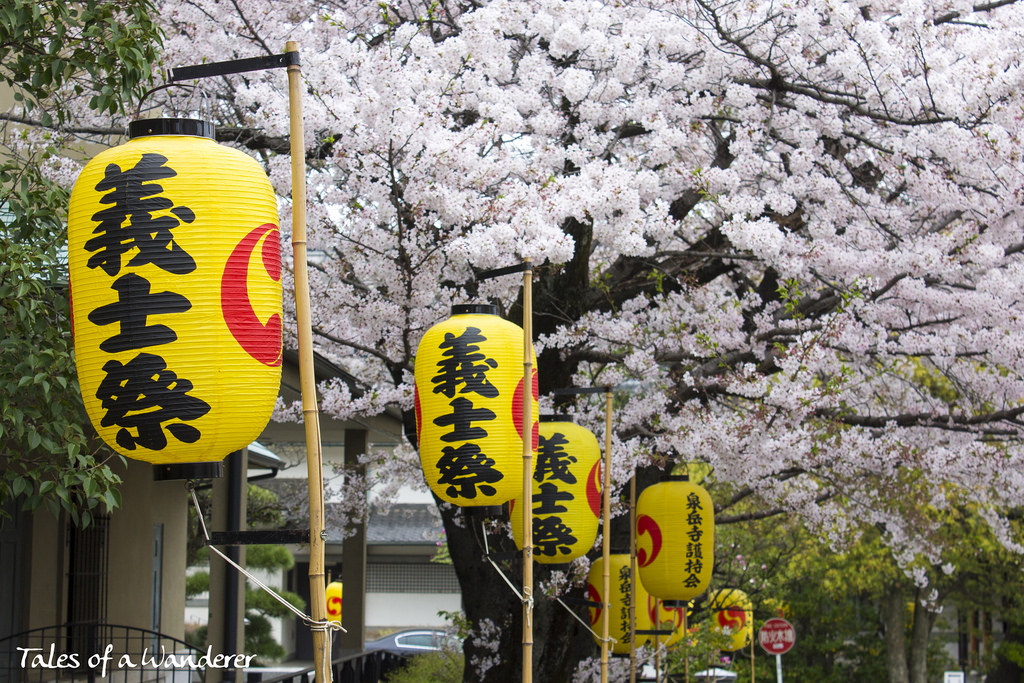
893, 620
494, 650
494, 654
920, 634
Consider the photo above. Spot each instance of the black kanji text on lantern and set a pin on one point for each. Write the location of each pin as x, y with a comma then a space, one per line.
462, 371
144, 398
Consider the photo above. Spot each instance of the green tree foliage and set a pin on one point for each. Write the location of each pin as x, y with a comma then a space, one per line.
443, 666
51, 53
259, 605
55, 50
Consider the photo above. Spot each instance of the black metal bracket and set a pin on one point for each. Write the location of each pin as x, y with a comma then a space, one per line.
259, 537
233, 66
508, 270
569, 600
654, 632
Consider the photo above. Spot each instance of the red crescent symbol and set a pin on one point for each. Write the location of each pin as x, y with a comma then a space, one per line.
262, 342
331, 603
594, 489
594, 596
517, 410
732, 618
646, 525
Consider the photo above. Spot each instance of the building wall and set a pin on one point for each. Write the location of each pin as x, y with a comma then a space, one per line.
130, 564
386, 612
145, 503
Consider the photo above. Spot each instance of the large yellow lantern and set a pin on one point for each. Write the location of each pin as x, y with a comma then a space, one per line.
566, 493
618, 624
731, 609
675, 531
469, 407
175, 265
334, 593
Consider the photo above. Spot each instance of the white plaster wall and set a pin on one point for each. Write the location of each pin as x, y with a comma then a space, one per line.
409, 610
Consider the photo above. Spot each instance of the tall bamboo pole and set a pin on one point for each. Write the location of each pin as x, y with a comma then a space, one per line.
686, 646
606, 533
751, 654
632, 579
657, 641
528, 473
314, 456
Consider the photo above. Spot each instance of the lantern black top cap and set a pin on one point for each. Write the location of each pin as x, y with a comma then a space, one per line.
466, 309
194, 127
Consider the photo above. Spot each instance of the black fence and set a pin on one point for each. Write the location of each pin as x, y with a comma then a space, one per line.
363, 667
91, 652
108, 653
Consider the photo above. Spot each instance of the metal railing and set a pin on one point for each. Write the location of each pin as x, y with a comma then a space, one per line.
362, 667
92, 652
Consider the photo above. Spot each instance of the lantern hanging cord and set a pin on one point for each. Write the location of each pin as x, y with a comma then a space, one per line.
487, 556
326, 625
575, 616
204, 103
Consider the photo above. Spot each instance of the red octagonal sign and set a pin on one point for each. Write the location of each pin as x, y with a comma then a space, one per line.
777, 636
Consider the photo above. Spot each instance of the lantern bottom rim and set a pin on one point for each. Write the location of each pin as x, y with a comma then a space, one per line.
187, 470
675, 603
483, 510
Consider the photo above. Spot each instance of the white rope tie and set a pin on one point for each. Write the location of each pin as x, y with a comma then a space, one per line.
585, 624
325, 625
526, 600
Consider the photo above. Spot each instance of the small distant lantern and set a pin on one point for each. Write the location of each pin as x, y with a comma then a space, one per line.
334, 594
175, 268
668, 617
618, 623
469, 407
675, 527
566, 493
731, 609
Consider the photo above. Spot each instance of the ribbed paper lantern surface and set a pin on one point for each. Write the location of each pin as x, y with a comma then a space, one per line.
334, 595
175, 266
618, 624
469, 410
566, 494
675, 531
731, 609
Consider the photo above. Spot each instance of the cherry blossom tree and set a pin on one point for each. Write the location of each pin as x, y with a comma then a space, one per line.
792, 228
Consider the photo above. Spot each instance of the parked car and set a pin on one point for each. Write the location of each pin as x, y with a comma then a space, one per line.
414, 641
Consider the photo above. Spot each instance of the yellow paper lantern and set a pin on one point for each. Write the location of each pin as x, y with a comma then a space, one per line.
469, 410
675, 531
566, 494
731, 609
175, 267
619, 622
334, 594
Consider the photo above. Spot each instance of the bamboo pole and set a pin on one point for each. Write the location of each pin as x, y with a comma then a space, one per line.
657, 640
632, 579
528, 473
686, 646
751, 653
314, 456
606, 552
